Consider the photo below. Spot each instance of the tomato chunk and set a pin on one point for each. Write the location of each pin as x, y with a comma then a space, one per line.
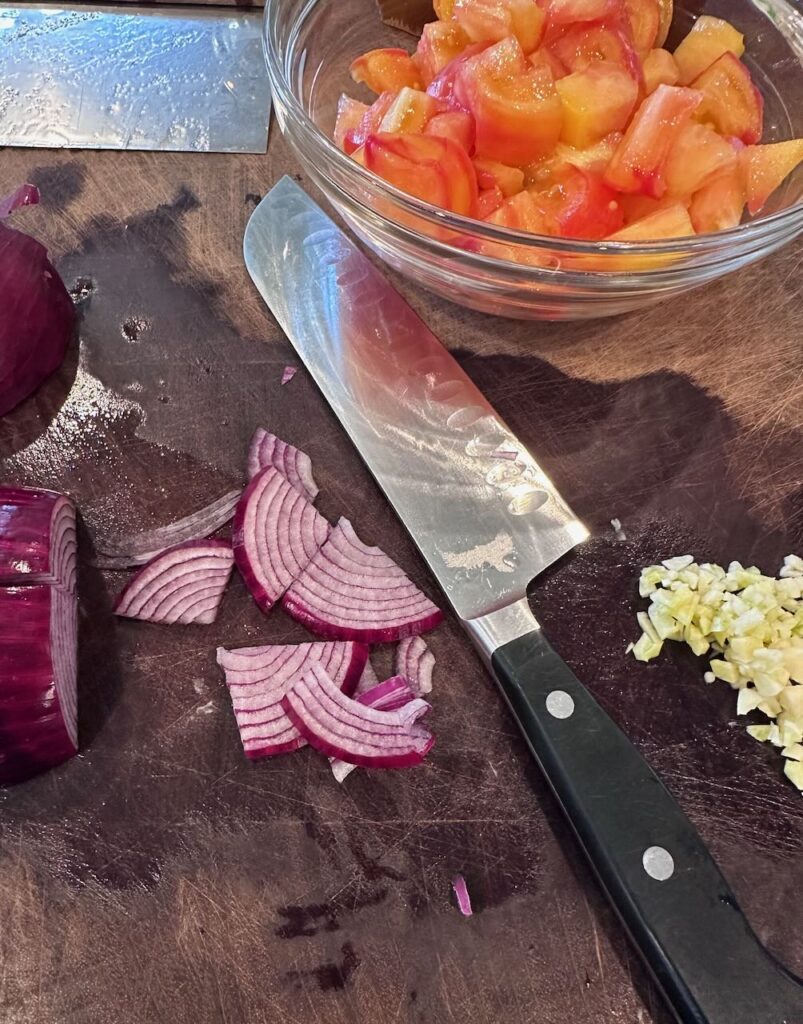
522, 213
671, 221
718, 205
698, 155
563, 13
349, 115
644, 17
659, 68
582, 206
442, 87
707, 41
386, 70
455, 125
596, 102
495, 20
546, 59
369, 122
517, 112
409, 112
731, 103
582, 45
666, 9
509, 180
439, 44
431, 168
639, 160
489, 200
765, 167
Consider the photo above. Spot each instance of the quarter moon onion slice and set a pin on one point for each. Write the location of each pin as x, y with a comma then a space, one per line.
350, 591
258, 678
294, 465
415, 661
349, 730
390, 695
183, 585
276, 533
37, 537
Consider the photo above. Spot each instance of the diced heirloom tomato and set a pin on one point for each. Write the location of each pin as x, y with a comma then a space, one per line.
670, 221
349, 114
509, 180
698, 155
495, 20
442, 87
666, 10
731, 103
644, 17
439, 44
659, 68
581, 46
409, 112
369, 122
434, 169
582, 206
639, 160
707, 41
456, 125
765, 167
386, 69
718, 205
489, 200
596, 102
563, 13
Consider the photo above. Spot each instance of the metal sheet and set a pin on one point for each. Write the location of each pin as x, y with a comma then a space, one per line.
133, 78
482, 511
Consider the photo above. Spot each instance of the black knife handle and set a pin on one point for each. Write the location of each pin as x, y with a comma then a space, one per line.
680, 913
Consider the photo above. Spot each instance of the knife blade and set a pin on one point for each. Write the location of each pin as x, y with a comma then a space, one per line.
487, 519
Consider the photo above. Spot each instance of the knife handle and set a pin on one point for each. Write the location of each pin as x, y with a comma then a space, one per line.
662, 881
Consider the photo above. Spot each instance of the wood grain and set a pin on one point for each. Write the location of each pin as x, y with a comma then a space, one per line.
158, 876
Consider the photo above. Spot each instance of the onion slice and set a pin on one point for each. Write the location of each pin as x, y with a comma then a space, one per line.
38, 662
368, 679
349, 730
258, 678
463, 898
390, 695
37, 537
128, 551
183, 585
276, 533
415, 661
294, 465
350, 591
25, 195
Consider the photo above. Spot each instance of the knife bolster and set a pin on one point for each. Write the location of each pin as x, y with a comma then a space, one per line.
495, 629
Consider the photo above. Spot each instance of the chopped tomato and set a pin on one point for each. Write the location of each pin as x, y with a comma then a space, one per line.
442, 86
431, 168
489, 200
349, 115
509, 180
522, 213
765, 167
731, 103
444, 9
644, 18
659, 68
718, 205
545, 58
698, 155
370, 122
596, 102
708, 40
386, 69
582, 206
665, 12
455, 125
639, 161
551, 169
495, 20
564, 13
671, 221
584, 44
439, 44
409, 112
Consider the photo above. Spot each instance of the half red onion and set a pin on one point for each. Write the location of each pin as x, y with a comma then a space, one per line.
350, 591
276, 533
294, 465
415, 661
38, 661
184, 584
37, 537
128, 551
349, 730
258, 678
388, 696
37, 317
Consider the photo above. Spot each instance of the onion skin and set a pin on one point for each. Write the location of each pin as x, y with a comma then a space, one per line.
37, 537
183, 585
38, 316
350, 591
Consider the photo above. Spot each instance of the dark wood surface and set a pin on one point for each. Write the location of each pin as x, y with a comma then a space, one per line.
160, 877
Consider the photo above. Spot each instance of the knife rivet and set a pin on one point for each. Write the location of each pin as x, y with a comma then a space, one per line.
560, 704
658, 863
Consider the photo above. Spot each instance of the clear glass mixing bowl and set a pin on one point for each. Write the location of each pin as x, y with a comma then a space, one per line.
309, 45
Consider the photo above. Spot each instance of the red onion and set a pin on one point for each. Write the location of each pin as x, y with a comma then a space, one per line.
258, 677
276, 533
415, 661
368, 679
127, 551
350, 591
288, 373
37, 317
37, 537
463, 898
347, 729
388, 696
294, 465
184, 584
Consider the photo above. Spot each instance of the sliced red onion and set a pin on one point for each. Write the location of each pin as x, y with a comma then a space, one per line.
349, 730
38, 660
288, 373
463, 898
276, 533
183, 585
368, 679
415, 661
37, 318
350, 591
37, 537
128, 551
294, 465
258, 678
388, 696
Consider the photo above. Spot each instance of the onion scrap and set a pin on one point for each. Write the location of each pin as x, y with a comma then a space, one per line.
269, 450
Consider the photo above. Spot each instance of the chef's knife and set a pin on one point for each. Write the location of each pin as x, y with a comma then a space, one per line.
488, 520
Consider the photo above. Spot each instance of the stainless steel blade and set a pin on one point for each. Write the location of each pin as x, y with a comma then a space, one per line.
483, 513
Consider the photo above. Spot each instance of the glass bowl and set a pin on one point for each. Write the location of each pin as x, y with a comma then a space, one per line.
309, 45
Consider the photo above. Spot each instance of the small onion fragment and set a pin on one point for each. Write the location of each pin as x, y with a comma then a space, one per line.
415, 661
25, 195
294, 465
390, 695
184, 585
37, 537
463, 898
276, 533
288, 373
350, 591
129, 551
258, 678
349, 730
